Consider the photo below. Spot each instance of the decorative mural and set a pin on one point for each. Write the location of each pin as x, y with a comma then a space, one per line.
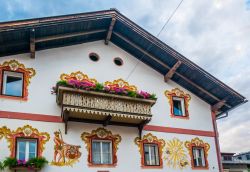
4, 131
120, 83
196, 142
101, 133
26, 132
150, 138
176, 92
15, 66
176, 155
64, 154
79, 76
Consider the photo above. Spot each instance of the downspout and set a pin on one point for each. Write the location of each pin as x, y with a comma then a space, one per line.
219, 116
216, 140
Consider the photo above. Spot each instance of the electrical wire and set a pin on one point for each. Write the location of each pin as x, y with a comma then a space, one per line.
138, 62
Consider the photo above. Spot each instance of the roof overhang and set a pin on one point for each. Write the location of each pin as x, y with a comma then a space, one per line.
29, 36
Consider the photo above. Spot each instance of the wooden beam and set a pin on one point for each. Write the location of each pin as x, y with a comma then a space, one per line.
111, 26
70, 35
166, 66
141, 126
65, 120
32, 44
107, 120
171, 72
218, 105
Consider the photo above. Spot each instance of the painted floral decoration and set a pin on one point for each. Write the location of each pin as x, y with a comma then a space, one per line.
79, 80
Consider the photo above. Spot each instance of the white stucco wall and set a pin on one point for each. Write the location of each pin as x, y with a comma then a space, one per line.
50, 64
128, 153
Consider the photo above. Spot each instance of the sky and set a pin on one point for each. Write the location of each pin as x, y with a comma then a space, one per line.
215, 34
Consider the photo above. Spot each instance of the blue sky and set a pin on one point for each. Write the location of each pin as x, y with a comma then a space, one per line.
212, 33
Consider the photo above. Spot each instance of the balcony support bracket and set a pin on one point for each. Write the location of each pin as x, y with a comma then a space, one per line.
107, 120
65, 120
141, 126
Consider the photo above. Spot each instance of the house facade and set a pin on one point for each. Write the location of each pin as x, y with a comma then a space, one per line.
85, 92
232, 163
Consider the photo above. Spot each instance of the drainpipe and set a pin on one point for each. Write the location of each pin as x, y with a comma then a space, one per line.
216, 140
219, 116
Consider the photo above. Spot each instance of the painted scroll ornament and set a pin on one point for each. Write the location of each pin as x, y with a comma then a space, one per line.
64, 154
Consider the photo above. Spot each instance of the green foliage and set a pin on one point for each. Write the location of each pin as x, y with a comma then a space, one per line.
132, 94
153, 96
9, 162
62, 83
1, 166
38, 162
99, 87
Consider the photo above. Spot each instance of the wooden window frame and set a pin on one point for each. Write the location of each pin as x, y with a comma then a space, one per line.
15, 66
2, 84
144, 158
204, 158
150, 139
26, 138
196, 142
112, 154
101, 134
181, 95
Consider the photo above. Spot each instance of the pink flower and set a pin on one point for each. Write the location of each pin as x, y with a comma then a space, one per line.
144, 94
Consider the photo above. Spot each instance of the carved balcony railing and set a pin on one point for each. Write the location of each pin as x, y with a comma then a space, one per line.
103, 108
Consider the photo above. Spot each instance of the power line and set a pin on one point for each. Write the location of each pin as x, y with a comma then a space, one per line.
138, 62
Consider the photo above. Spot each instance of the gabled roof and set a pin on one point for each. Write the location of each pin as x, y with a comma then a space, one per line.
32, 35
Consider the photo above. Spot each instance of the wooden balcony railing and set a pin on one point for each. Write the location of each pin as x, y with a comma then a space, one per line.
103, 108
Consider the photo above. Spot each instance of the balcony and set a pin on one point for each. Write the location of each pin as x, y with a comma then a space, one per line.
103, 108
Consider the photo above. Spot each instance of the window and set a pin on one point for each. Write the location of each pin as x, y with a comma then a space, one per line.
198, 157
248, 157
178, 105
227, 158
101, 152
118, 61
94, 57
151, 155
12, 84
26, 149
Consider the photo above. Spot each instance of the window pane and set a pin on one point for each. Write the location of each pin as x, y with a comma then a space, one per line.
13, 84
146, 154
106, 153
96, 152
21, 150
198, 154
154, 155
177, 105
32, 149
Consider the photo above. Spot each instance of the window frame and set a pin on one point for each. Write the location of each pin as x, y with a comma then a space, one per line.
26, 138
101, 151
179, 94
205, 166
3, 83
159, 158
183, 104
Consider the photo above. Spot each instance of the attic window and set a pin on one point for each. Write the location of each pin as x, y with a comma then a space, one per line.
94, 57
118, 61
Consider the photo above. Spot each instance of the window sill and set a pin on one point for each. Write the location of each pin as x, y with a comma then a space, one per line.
25, 168
179, 117
152, 166
200, 168
14, 98
102, 165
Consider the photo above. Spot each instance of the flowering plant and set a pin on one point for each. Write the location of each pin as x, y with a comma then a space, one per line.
38, 162
87, 85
